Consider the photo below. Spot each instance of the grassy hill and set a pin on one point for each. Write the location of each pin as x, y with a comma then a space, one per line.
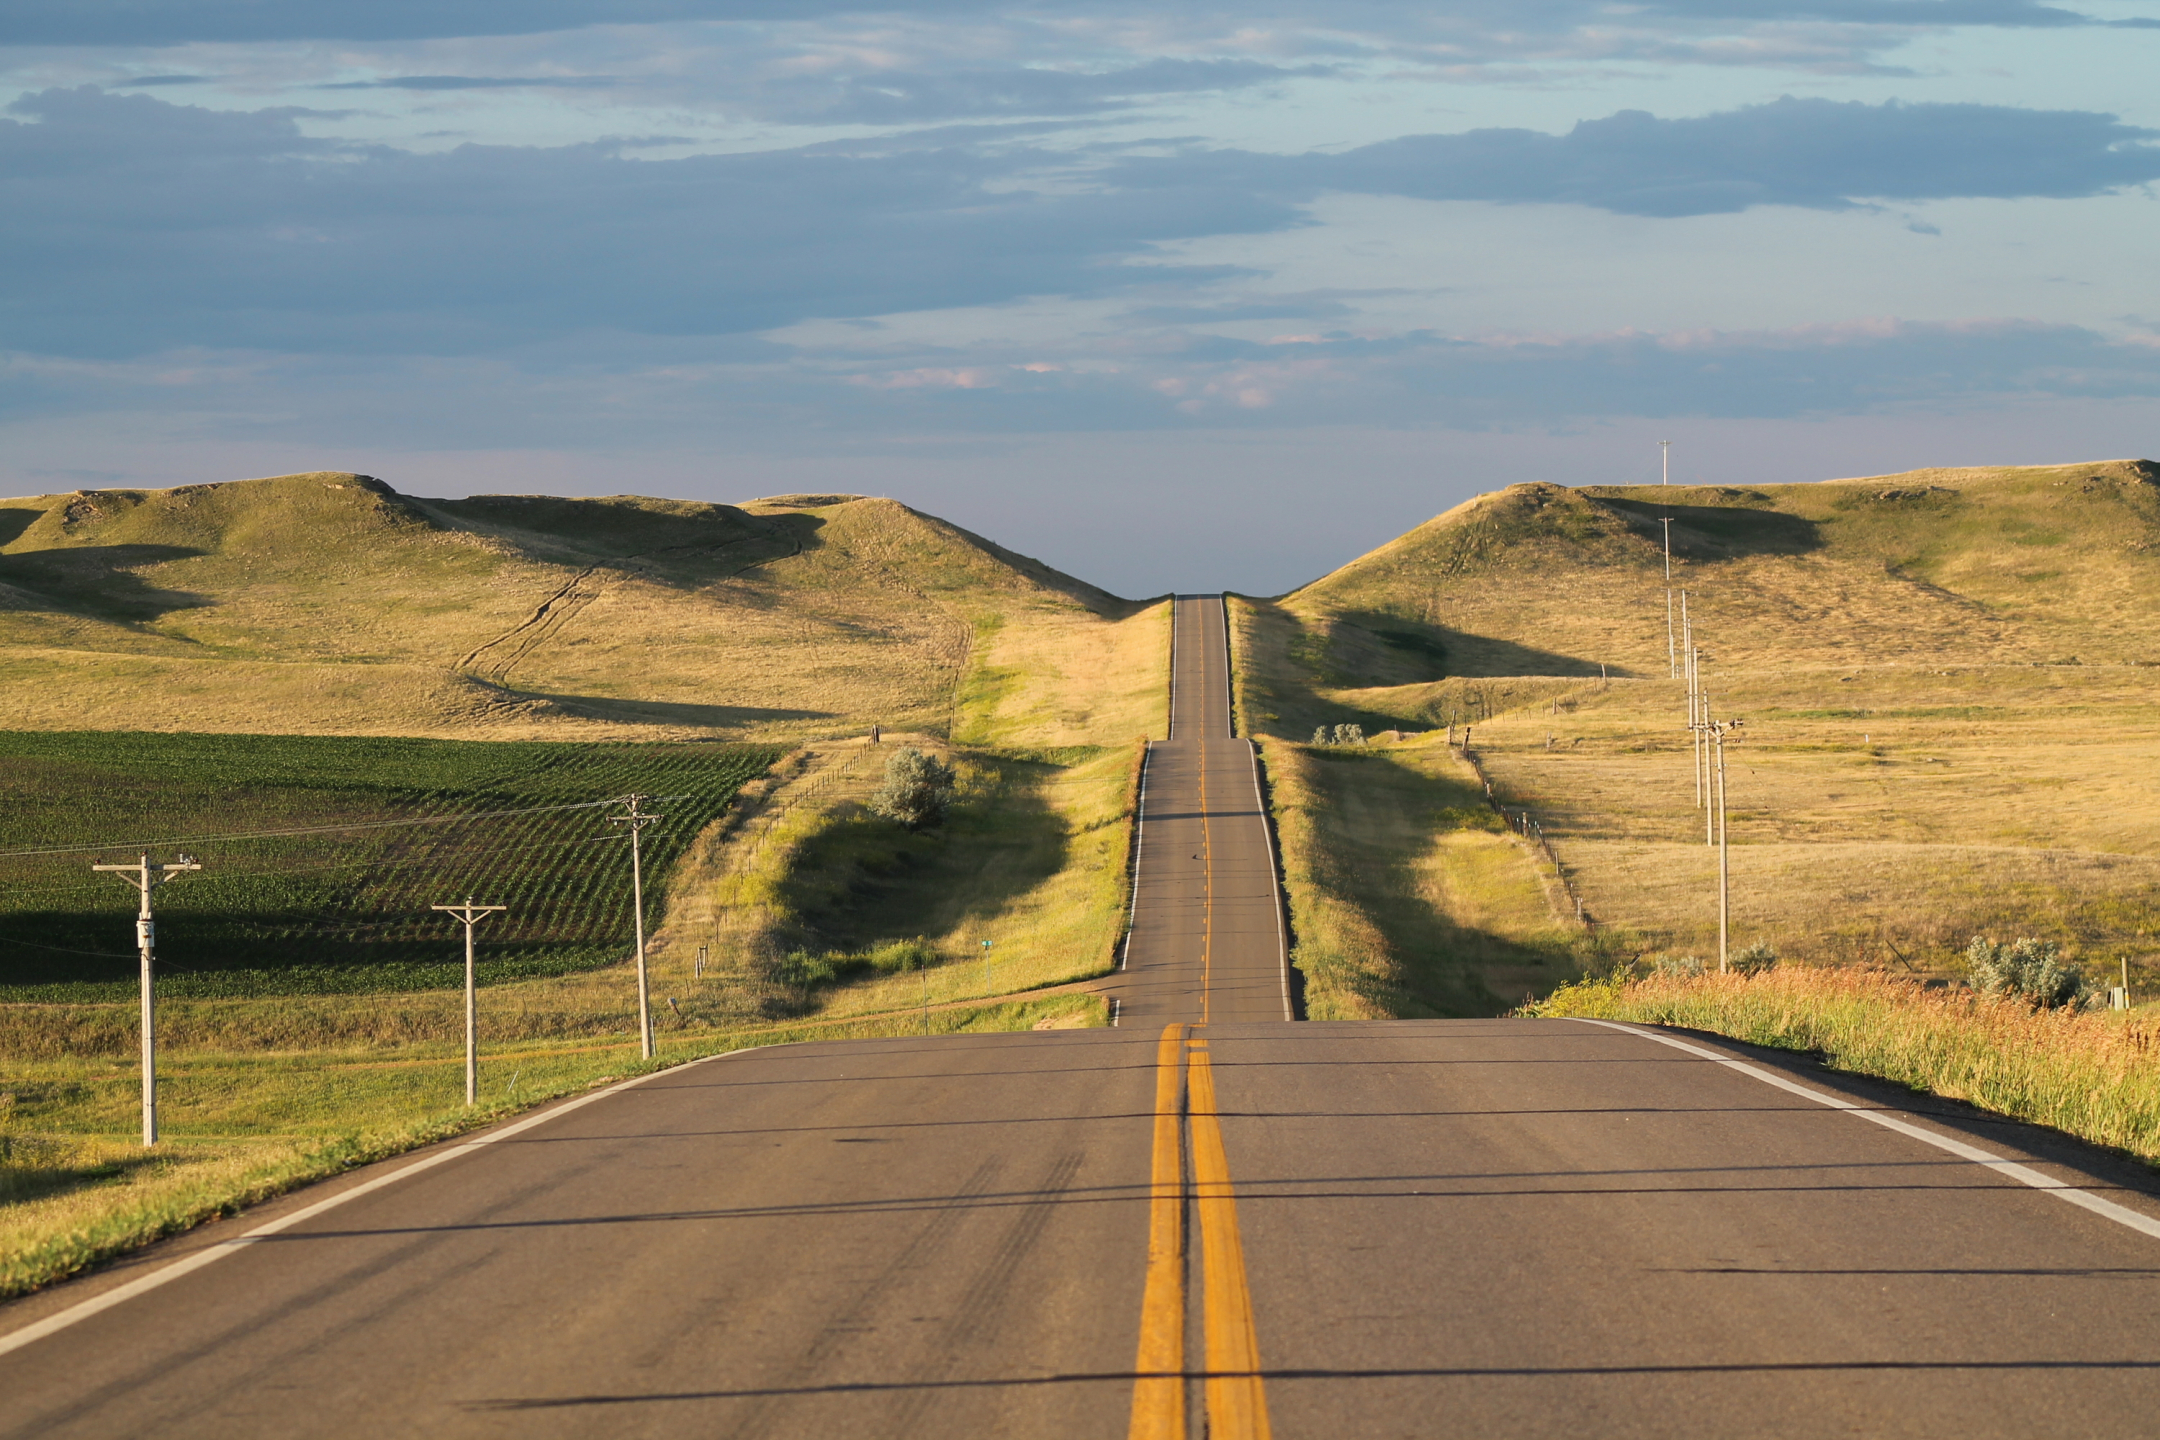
1947, 677
319, 654
329, 603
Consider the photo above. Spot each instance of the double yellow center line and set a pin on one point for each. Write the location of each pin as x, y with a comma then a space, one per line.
1236, 1398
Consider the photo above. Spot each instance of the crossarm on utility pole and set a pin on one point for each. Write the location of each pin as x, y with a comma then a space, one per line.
146, 877
637, 818
471, 914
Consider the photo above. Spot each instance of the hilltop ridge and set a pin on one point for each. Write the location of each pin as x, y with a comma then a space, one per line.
1998, 565
329, 601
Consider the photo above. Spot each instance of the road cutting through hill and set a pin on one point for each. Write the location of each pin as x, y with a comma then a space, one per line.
1205, 1221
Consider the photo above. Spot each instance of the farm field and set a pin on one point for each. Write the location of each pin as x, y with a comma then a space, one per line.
365, 835
1951, 702
276, 1072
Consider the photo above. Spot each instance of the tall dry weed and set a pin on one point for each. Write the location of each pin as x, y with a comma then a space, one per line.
2095, 1075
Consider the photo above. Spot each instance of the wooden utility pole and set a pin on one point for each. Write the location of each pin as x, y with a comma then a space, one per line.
1719, 729
1687, 665
637, 819
146, 877
1672, 664
471, 914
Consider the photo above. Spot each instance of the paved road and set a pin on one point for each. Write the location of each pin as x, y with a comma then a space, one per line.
1207, 943
1431, 1228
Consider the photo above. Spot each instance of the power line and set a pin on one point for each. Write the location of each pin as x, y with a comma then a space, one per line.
327, 829
431, 860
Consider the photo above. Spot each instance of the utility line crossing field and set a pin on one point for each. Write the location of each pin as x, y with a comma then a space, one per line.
376, 831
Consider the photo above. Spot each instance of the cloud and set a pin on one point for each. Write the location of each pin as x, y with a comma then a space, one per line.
176, 22
129, 225
142, 81
1848, 368
478, 82
889, 97
179, 22
132, 226
1818, 154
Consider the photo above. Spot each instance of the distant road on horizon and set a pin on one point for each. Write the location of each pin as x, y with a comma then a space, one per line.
1210, 1220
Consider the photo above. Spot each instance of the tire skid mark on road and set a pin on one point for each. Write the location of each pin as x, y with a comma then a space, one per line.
974, 1318
852, 1319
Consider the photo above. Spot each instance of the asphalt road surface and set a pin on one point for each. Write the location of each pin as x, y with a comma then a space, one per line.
1213, 1222
1207, 941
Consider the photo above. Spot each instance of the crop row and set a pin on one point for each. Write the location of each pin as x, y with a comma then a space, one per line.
344, 910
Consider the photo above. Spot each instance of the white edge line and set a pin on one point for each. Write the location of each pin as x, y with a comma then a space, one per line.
2024, 1174
120, 1294
1139, 850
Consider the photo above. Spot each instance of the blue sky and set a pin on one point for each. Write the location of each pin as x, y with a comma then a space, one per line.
1172, 296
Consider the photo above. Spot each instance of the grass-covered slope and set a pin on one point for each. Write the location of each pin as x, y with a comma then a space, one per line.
1948, 681
1978, 566
330, 603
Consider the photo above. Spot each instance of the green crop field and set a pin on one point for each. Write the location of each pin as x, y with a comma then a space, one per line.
377, 830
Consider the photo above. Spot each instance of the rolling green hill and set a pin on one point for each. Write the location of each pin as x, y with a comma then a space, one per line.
329, 603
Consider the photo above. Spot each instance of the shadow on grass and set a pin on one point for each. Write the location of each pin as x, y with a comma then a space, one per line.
1717, 532
100, 580
668, 712
1419, 652
864, 881
1379, 820
33, 1167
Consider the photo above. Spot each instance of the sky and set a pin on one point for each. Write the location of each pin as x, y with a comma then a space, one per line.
1173, 296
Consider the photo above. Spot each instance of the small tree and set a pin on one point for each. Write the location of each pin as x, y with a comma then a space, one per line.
1320, 735
1349, 734
2030, 969
916, 791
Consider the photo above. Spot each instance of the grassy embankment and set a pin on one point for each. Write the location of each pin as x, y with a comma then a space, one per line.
1948, 682
2088, 1074
817, 907
1408, 895
246, 1125
262, 1092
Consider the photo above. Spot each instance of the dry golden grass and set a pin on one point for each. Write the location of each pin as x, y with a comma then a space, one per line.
323, 602
329, 606
1950, 718
2089, 1074
1407, 896
1998, 802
